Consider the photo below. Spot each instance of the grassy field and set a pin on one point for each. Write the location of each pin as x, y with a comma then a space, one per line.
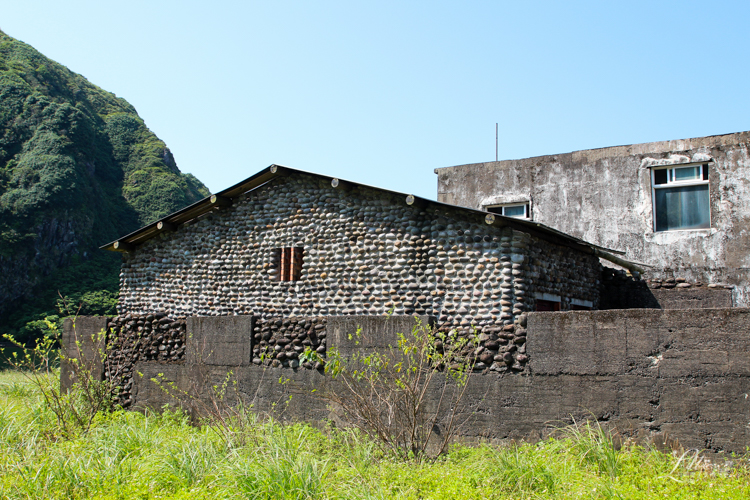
130, 455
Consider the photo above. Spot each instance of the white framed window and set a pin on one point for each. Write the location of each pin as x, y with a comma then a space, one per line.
517, 210
680, 197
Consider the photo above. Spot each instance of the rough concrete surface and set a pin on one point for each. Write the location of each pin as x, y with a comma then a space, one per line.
222, 341
350, 333
670, 375
83, 339
604, 196
693, 298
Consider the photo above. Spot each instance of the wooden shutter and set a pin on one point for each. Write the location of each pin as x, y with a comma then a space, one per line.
296, 264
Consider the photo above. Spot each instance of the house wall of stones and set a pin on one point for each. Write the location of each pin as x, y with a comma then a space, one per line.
365, 253
555, 270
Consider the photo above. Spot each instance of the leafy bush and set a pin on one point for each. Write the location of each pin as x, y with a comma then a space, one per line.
38, 329
391, 395
76, 408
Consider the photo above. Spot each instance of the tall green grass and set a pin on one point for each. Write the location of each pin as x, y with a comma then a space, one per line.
161, 455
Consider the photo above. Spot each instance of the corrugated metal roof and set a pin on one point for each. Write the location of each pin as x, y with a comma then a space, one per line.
224, 198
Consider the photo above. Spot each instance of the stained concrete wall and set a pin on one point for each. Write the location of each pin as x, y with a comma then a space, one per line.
680, 372
349, 334
679, 375
620, 291
84, 340
283, 391
604, 196
221, 341
693, 298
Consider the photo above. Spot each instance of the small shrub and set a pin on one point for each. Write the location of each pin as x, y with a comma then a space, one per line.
408, 397
75, 409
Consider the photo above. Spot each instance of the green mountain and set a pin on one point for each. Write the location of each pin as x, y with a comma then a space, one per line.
78, 168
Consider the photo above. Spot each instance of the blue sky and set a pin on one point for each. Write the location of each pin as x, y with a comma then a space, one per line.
385, 92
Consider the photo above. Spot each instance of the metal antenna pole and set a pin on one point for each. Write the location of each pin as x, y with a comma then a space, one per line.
495, 141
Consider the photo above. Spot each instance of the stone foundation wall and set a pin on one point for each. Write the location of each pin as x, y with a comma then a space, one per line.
135, 338
279, 342
502, 349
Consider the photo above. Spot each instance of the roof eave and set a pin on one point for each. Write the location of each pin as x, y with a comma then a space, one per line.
170, 222
195, 210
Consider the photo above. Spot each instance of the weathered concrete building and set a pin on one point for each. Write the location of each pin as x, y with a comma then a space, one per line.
682, 207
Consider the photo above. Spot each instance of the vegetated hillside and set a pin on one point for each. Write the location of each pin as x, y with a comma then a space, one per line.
78, 168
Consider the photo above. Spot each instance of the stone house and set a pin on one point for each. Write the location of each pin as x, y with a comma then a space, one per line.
288, 244
682, 207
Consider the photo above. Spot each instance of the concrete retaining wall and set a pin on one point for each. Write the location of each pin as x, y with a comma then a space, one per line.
82, 340
654, 374
621, 291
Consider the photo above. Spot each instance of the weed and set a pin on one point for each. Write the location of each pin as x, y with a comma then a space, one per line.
595, 446
88, 396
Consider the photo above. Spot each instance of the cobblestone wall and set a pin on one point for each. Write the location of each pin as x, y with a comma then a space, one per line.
365, 253
282, 341
132, 338
556, 270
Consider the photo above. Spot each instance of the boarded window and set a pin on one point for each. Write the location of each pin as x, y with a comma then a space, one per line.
289, 263
547, 305
578, 307
581, 305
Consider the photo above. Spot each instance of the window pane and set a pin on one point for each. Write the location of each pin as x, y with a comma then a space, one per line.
687, 173
516, 211
660, 176
682, 208
495, 210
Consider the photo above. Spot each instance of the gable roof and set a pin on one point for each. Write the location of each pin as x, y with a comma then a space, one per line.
225, 198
